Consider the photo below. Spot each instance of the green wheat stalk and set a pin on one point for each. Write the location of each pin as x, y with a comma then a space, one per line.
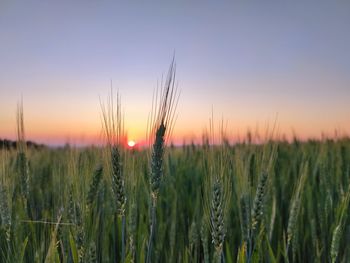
295, 206
161, 124
114, 132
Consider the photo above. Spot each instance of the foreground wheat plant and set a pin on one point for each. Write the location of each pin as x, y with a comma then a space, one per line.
114, 132
22, 161
217, 220
338, 230
295, 207
161, 124
217, 189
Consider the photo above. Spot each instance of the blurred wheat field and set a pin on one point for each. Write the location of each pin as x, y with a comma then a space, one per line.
57, 205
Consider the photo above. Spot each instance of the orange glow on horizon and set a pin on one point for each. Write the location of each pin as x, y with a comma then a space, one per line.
90, 133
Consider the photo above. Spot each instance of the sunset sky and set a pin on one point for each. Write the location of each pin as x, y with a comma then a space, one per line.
250, 62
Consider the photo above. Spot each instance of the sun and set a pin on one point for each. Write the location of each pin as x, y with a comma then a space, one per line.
131, 143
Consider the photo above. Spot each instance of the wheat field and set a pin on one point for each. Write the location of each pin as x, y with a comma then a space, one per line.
276, 201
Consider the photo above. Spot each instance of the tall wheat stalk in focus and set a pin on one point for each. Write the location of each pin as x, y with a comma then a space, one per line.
160, 126
217, 189
114, 133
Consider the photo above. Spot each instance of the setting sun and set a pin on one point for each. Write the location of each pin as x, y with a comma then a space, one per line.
131, 143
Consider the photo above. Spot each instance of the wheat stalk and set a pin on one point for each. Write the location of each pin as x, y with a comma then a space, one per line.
218, 190
295, 206
338, 230
218, 230
96, 179
259, 200
114, 132
5, 213
161, 124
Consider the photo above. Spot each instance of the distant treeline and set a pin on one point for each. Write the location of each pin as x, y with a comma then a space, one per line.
8, 144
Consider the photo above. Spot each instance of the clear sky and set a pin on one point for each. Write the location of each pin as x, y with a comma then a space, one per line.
247, 60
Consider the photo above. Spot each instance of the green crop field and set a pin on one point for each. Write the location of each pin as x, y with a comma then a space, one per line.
58, 205
276, 201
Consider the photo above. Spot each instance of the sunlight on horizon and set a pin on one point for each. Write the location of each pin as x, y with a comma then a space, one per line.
247, 62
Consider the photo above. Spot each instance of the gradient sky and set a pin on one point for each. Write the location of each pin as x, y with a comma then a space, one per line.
247, 61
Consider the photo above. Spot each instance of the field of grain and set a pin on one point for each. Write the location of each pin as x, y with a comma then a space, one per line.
57, 205
276, 201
